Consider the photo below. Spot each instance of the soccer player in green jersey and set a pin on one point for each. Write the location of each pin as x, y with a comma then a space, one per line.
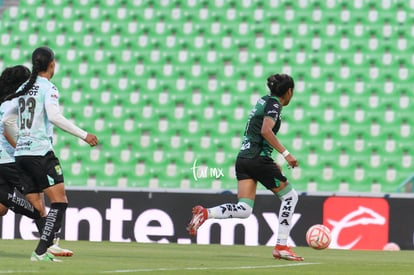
37, 105
255, 164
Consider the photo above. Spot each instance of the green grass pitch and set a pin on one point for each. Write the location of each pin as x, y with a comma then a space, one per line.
138, 258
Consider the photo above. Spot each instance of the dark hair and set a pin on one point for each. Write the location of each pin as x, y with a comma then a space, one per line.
279, 84
11, 79
41, 58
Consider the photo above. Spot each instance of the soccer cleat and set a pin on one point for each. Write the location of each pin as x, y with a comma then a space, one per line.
285, 252
200, 215
57, 251
47, 257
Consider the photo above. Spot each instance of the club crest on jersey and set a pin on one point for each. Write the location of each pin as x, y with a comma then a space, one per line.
276, 105
58, 170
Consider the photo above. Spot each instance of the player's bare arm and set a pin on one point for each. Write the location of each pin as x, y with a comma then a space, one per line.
267, 133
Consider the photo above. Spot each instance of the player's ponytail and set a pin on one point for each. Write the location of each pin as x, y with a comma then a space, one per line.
279, 84
41, 58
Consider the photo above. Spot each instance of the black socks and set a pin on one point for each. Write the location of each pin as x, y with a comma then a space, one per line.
20, 205
52, 223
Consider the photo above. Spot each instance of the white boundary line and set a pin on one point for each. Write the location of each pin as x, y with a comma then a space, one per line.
175, 269
17, 271
207, 268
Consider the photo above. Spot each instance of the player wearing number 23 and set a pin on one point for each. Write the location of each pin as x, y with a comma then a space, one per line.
36, 103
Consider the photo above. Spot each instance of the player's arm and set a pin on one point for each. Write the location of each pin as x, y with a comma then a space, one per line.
56, 118
10, 132
269, 136
9, 121
271, 115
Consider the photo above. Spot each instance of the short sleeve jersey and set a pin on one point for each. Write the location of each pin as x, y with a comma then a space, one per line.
253, 144
6, 150
35, 130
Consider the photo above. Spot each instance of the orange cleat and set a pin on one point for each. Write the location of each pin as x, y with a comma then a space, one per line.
57, 251
200, 215
286, 253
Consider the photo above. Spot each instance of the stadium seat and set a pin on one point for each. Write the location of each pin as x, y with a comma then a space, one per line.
187, 89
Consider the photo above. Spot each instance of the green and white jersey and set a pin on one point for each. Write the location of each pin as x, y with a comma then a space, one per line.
253, 144
6, 150
34, 128
38, 110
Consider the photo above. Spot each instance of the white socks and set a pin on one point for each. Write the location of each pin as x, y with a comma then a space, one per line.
230, 210
243, 209
287, 208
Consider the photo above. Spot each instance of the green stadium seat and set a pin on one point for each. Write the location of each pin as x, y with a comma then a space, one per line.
189, 85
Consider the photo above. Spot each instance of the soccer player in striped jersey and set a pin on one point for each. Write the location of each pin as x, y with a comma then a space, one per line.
37, 105
255, 164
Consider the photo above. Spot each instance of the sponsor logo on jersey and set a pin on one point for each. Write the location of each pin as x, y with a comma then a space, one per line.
33, 91
245, 146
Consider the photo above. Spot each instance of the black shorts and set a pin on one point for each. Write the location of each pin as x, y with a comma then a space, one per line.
261, 169
39, 172
9, 178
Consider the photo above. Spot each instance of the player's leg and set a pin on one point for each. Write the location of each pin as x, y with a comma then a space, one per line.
38, 202
19, 205
45, 175
242, 209
54, 189
53, 222
289, 199
9, 197
3, 209
23, 182
246, 193
4, 190
271, 176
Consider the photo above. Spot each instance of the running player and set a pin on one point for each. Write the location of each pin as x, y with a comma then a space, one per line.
10, 79
11, 187
37, 105
255, 164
